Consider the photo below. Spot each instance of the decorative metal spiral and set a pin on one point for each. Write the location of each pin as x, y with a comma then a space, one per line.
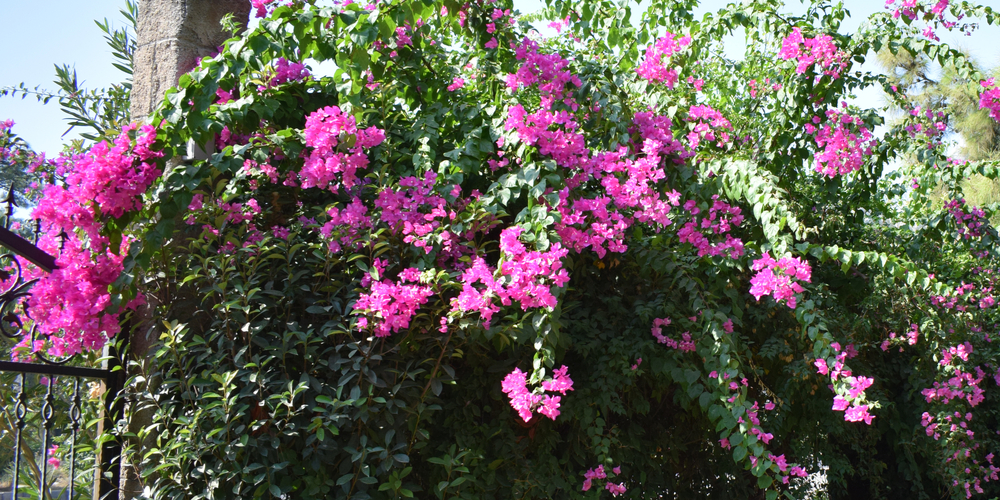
20, 412
12, 297
14, 306
47, 413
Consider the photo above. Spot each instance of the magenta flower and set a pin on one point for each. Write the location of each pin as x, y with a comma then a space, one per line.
845, 142
392, 305
53, 461
280, 232
990, 98
840, 404
808, 52
615, 489
779, 278
654, 68
328, 166
285, 71
550, 406
456, 84
858, 413
515, 385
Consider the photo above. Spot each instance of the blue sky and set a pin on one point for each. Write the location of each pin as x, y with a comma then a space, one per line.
41, 33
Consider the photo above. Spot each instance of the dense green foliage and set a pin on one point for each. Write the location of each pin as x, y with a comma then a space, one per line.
271, 378
263, 386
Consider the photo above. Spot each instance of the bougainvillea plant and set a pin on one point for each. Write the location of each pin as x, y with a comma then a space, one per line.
422, 226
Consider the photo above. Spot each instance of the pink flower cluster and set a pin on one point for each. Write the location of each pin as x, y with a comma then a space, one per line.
530, 275
708, 122
525, 276
935, 16
685, 345
391, 305
932, 125
553, 131
971, 224
598, 473
755, 427
415, 210
809, 52
963, 293
654, 68
855, 412
548, 72
961, 351
474, 299
285, 71
114, 175
910, 8
254, 169
558, 24
990, 98
343, 228
456, 84
53, 459
845, 141
721, 218
911, 337
782, 463
632, 186
402, 38
515, 386
839, 369
497, 17
959, 444
778, 278
599, 222
72, 305
261, 7
327, 166
962, 385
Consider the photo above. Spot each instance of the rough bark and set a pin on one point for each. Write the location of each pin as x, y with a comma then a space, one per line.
172, 36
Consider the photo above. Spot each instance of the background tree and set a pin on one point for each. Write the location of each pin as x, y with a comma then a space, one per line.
943, 89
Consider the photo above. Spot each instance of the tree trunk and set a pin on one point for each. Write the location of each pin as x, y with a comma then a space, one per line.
173, 35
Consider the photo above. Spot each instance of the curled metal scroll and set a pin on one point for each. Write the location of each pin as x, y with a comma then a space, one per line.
14, 309
12, 297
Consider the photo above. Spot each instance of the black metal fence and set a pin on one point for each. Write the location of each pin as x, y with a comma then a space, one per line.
52, 374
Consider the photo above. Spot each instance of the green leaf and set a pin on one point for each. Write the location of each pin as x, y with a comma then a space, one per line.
764, 482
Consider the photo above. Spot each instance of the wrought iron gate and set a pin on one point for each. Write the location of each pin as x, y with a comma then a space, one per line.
111, 376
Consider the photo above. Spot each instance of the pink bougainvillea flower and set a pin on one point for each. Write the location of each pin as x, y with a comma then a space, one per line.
53, 460
456, 84
779, 278
515, 385
654, 66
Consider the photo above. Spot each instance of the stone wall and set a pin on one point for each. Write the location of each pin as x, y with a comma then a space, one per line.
173, 35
